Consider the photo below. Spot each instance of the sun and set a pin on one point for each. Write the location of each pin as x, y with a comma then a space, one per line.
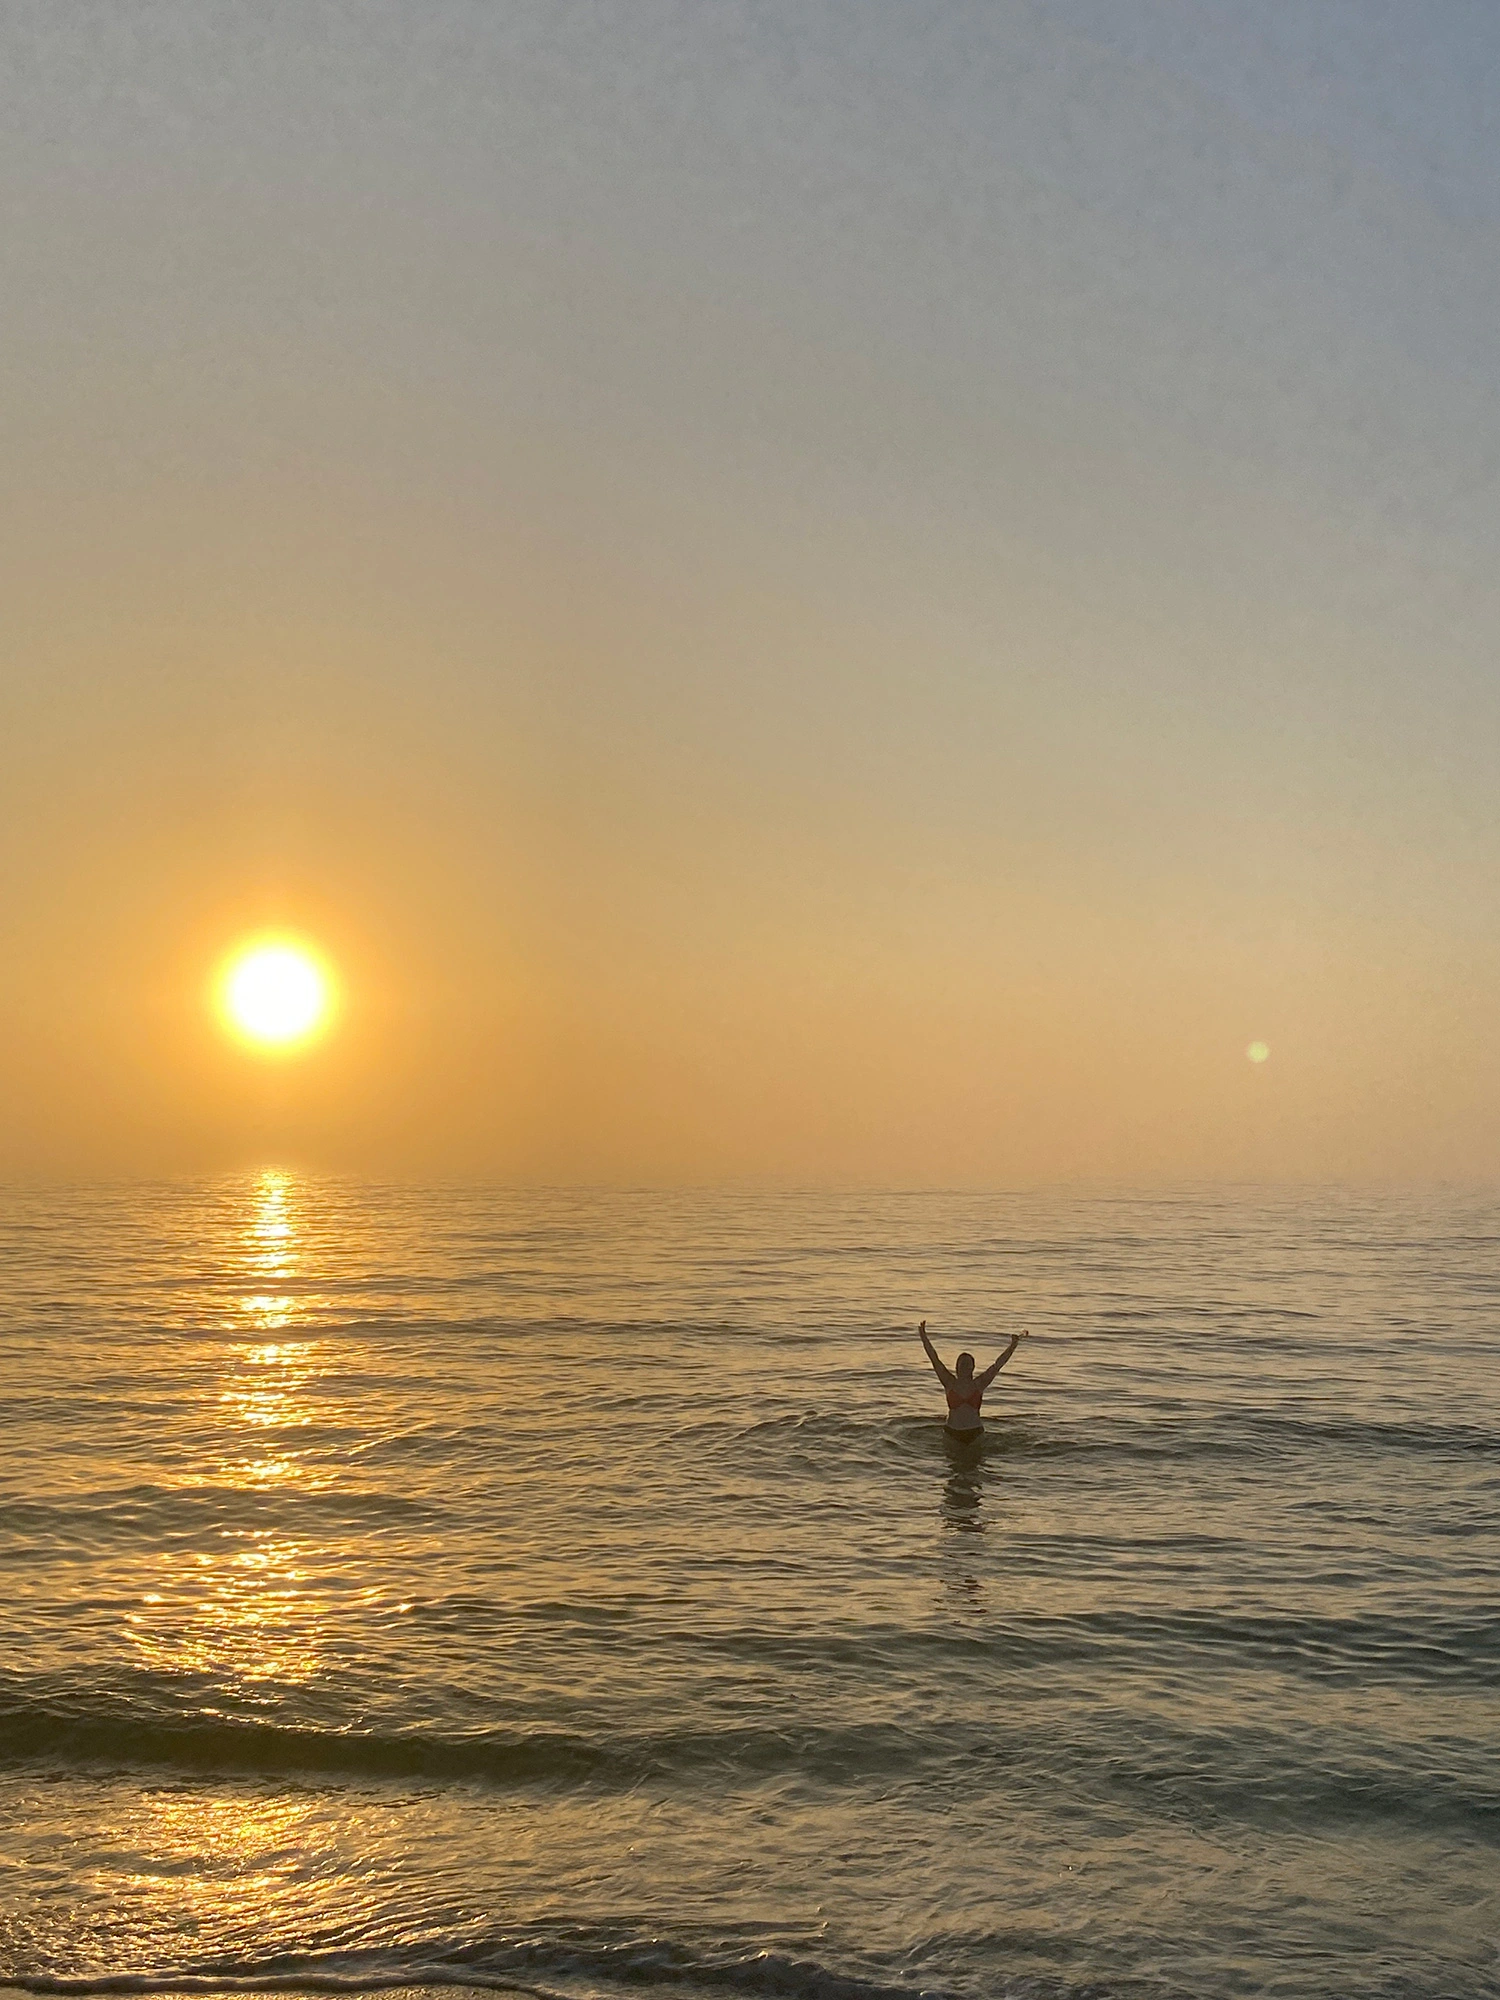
275, 994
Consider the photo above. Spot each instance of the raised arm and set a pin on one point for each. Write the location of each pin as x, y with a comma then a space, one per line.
994, 1368
944, 1375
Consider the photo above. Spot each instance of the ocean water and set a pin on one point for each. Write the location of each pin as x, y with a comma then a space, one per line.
576, 1591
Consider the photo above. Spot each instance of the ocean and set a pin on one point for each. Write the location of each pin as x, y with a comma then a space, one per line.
574, 1591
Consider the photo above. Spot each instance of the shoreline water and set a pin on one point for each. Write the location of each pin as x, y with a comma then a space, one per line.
390, 1989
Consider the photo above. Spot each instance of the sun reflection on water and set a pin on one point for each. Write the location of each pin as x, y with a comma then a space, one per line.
247, 1604
277, 1397
273, 1381
270, 1239
214, 1855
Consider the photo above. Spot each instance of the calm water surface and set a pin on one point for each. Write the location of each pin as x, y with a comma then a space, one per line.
577, 1591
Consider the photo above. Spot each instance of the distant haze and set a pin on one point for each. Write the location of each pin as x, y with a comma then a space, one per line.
868, 592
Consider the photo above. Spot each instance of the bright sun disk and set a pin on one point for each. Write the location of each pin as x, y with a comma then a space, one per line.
275, 994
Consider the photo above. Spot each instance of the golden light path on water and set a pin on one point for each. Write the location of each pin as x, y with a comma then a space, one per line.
253, 1609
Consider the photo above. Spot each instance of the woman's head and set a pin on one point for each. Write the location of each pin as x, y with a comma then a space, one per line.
964, 1365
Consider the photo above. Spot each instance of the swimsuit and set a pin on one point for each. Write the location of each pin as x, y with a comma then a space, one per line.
968, 1399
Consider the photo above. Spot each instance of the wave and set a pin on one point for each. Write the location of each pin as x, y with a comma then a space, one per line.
1180, 1439
1250, 1772
1367, 1434
147, 1513
740, 1966
230, 1746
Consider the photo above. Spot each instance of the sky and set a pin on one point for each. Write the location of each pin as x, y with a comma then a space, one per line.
803, 592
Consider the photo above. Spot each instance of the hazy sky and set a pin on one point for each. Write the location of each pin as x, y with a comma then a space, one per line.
852, 591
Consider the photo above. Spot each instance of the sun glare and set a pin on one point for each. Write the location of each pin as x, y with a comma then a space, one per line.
275, 995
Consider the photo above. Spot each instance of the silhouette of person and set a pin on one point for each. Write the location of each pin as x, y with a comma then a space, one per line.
963, 1388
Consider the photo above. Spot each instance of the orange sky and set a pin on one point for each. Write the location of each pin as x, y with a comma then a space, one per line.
788, 592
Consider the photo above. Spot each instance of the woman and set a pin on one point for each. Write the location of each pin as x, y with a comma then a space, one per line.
963, 1388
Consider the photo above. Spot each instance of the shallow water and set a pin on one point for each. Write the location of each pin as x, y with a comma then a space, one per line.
577, 1590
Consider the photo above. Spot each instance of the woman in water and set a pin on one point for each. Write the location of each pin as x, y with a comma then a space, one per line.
963, 1388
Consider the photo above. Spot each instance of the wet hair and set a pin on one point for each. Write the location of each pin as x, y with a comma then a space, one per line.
959, 1364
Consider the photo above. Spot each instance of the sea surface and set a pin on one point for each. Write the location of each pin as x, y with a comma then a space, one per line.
575, 1591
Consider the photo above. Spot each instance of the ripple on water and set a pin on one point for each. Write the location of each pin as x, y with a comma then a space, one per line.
579, 1590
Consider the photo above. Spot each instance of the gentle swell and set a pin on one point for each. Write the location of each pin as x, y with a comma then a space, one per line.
263, 1748
1245, 1775
734, 1966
